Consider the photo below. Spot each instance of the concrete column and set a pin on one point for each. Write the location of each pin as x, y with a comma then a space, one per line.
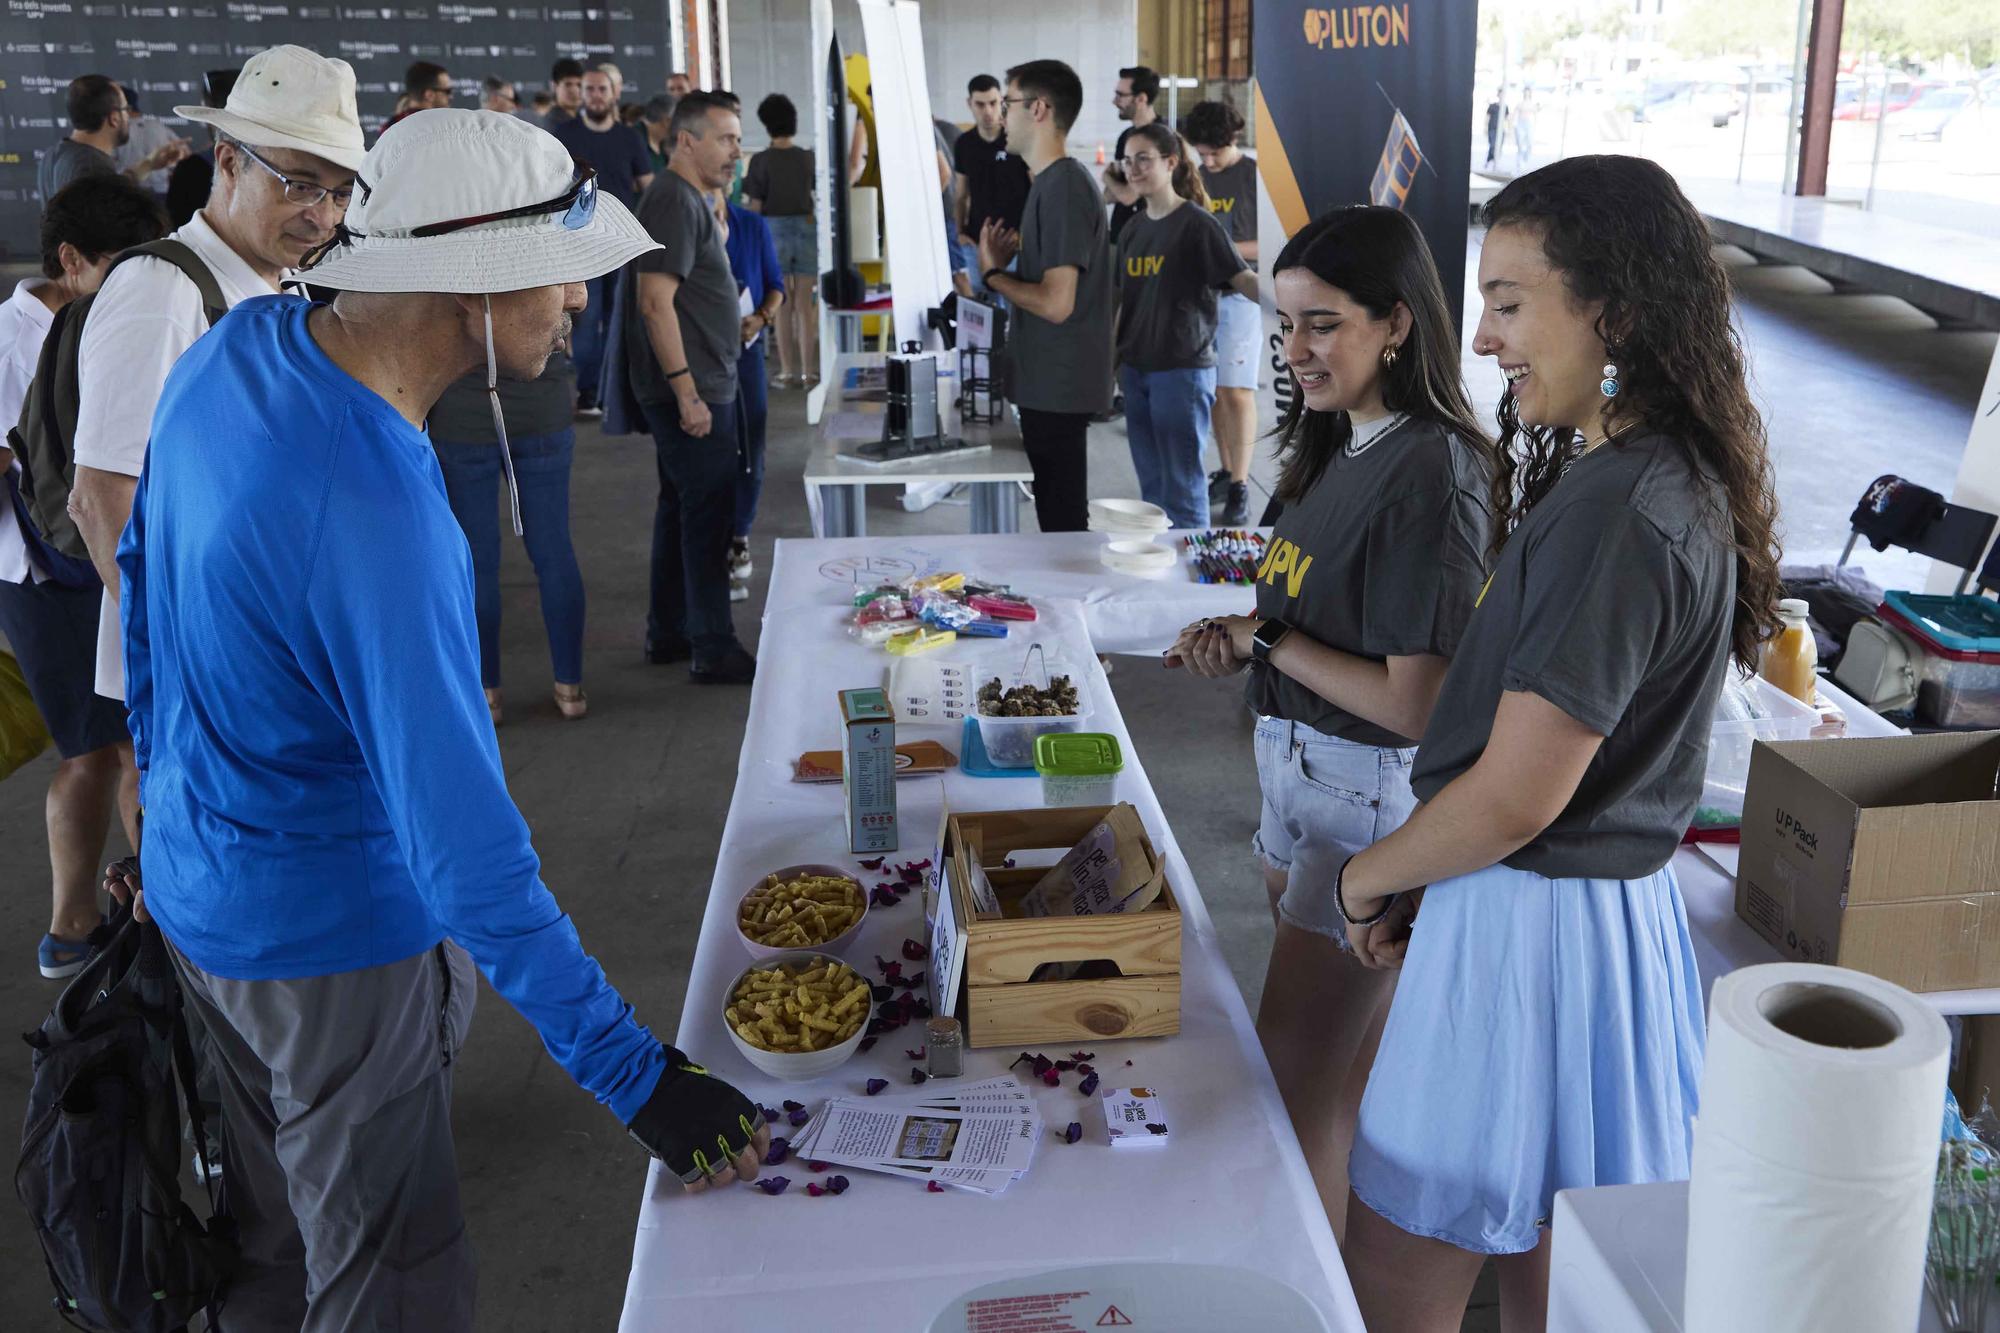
1822, 69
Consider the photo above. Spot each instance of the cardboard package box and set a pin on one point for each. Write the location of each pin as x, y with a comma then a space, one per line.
1882, 855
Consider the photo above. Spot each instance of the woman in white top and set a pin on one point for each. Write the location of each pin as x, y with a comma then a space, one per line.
51, 626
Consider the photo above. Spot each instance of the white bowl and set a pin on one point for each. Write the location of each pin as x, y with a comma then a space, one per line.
801, 1066
832, 946
1141, 559
1137, 515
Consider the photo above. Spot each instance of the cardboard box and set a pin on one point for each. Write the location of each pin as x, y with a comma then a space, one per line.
868, 770
1881, 855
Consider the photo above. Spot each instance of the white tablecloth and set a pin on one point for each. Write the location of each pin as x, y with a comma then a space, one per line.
1231, 1189
1123, 614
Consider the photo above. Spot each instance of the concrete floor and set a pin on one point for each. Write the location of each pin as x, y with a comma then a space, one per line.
627, 806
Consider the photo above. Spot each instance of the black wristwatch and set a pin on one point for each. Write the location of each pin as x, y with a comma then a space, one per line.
986, 278
1268, 635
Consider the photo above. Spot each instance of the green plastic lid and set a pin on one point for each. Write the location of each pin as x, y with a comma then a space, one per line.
1077, 754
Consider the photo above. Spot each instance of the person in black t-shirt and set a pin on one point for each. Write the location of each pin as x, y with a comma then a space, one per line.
989, 180
624, 168
1371, 576
1137, 94
1550, 966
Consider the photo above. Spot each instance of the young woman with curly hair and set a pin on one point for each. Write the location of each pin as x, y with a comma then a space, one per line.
1547, 1027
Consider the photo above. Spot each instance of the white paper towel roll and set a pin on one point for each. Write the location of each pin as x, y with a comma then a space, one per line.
1814, 1153
864, 219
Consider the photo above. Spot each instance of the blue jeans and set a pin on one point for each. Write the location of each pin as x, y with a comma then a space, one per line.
754, 403
473, 479
587, 336
1166, 419
697, 506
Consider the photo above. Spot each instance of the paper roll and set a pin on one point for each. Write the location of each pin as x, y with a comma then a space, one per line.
1815, 1153
864, 219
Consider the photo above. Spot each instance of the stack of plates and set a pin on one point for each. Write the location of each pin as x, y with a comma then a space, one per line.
1142, 559
1127, 518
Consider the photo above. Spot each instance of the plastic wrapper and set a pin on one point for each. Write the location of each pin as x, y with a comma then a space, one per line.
884, 608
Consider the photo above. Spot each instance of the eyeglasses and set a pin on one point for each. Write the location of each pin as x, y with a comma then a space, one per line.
305, 194
577, 204
1138, 161
1023, 101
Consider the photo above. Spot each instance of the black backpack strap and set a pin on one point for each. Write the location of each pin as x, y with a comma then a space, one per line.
183, 257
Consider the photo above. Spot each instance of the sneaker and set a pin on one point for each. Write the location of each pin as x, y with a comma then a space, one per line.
59, 958
587, 408
740, 567
669, 651
739, 591
734, 667
1236, 509
1218, 486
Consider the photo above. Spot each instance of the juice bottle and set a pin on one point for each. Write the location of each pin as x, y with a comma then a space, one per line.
1791, 657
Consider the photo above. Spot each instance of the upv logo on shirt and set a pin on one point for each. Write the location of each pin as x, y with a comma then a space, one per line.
1287, 559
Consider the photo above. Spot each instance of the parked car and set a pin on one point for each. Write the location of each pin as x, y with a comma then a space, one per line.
1871, 102
1927, 117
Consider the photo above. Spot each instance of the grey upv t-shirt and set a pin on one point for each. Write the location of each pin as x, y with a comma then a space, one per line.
1168, 271
1232, 197
674, 214
1064, 367
1613, 601
70, 161
1382, 558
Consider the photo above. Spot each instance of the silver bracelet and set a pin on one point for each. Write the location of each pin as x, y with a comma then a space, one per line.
1340, 901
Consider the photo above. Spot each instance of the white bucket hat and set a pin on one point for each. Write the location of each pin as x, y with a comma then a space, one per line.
475, 202
289, 97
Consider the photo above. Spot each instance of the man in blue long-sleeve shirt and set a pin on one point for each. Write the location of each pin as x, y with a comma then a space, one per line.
328, 831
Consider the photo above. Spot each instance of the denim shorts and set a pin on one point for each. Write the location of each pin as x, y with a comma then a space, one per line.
1325, 798
1239, 331
798, 244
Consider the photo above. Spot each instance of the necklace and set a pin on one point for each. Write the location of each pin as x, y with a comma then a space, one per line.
1360, 443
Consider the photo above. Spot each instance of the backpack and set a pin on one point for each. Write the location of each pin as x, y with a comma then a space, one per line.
45, 437
101, 1146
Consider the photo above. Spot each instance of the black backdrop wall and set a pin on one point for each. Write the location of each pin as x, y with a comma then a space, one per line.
162, 49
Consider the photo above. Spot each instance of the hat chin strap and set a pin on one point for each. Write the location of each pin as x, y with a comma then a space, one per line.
500, 421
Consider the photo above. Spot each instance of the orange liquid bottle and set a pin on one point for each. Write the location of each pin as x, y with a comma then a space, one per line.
1791, 658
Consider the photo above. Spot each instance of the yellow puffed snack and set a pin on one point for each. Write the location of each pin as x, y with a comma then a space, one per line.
800, 912
798, 1007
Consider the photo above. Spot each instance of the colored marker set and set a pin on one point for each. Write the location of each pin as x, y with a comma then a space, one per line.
1224, 555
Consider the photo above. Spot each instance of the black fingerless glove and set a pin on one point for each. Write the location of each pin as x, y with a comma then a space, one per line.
697, 1125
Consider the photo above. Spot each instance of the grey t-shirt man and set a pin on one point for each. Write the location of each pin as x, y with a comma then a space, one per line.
675, 214
1169, 270
1232, 197
69, 161
1064, 367
1613, 601
1382, 557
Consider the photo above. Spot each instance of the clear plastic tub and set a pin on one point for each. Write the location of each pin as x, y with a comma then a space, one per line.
1010, 741
1078, 768
1730, 740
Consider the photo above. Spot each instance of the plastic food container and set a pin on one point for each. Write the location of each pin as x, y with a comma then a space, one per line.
1078, 767
798, 1066
1010, 741
1731, 740
1958, 680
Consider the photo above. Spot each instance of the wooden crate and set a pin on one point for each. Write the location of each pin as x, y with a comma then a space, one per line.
1138, 953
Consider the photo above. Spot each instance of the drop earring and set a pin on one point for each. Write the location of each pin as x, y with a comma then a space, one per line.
1389, 356
1608, 386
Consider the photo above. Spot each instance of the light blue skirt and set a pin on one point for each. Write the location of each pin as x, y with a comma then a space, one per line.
1546, 1034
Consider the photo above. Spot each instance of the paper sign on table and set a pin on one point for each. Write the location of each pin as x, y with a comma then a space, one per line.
1134, 1118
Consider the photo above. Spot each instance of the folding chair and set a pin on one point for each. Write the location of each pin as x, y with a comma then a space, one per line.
1957, 536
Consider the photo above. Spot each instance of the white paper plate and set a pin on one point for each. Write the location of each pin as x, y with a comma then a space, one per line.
1139, 558
1136, 514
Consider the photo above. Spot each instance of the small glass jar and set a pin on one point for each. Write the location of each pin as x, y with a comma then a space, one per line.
945, 1046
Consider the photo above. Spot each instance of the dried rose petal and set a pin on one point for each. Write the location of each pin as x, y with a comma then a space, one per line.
1074, 1132
882, 898
836, 1184
917, 1054
910, 874
799, 1117
781, 1148
774, 1184
916, 950
932, 1187
1083, 1055
815, 1166
1128, 1064
814, 1189
876, 1085
770, 1116
874, 863
882, 994
891, 971
1025, 1055
1007, 863
1053, 1079
1043, 1065
867, 1044
918, 1076
1089, 1084
883, 965
923, 1007
1086, 1069
794, 1106
1065, 1065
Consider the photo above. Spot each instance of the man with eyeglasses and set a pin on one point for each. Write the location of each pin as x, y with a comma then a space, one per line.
288, 144
426, 86
100, 123
331, 853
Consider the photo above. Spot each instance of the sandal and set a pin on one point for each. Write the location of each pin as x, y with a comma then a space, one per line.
493, 705
571, 701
